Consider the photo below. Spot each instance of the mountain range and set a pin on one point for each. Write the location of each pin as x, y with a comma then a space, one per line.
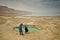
6, 11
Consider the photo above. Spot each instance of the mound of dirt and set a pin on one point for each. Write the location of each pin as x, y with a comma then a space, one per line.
3, 20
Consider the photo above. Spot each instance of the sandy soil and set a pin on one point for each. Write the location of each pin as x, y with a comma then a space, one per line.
49, 28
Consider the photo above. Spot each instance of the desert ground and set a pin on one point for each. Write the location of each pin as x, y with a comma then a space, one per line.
49, 28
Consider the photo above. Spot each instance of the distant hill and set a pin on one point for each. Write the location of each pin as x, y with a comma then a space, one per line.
6, 11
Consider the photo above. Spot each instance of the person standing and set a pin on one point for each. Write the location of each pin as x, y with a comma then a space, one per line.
26, 29
20, 29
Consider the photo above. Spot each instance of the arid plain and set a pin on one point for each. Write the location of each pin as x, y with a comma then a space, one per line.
49, 28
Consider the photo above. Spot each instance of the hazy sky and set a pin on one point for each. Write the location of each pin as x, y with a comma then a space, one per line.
37, 7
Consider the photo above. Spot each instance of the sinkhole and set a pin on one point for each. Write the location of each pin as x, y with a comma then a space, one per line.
31, 28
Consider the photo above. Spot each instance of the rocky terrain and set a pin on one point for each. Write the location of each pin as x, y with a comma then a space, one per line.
49, 28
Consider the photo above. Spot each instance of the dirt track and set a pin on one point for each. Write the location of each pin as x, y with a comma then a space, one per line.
49, 28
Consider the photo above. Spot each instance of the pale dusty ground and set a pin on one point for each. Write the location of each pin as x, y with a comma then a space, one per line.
49, 28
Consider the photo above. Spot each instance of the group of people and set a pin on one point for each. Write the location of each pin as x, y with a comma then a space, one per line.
20, 29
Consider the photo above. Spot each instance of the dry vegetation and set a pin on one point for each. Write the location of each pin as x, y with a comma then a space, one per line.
49, 28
